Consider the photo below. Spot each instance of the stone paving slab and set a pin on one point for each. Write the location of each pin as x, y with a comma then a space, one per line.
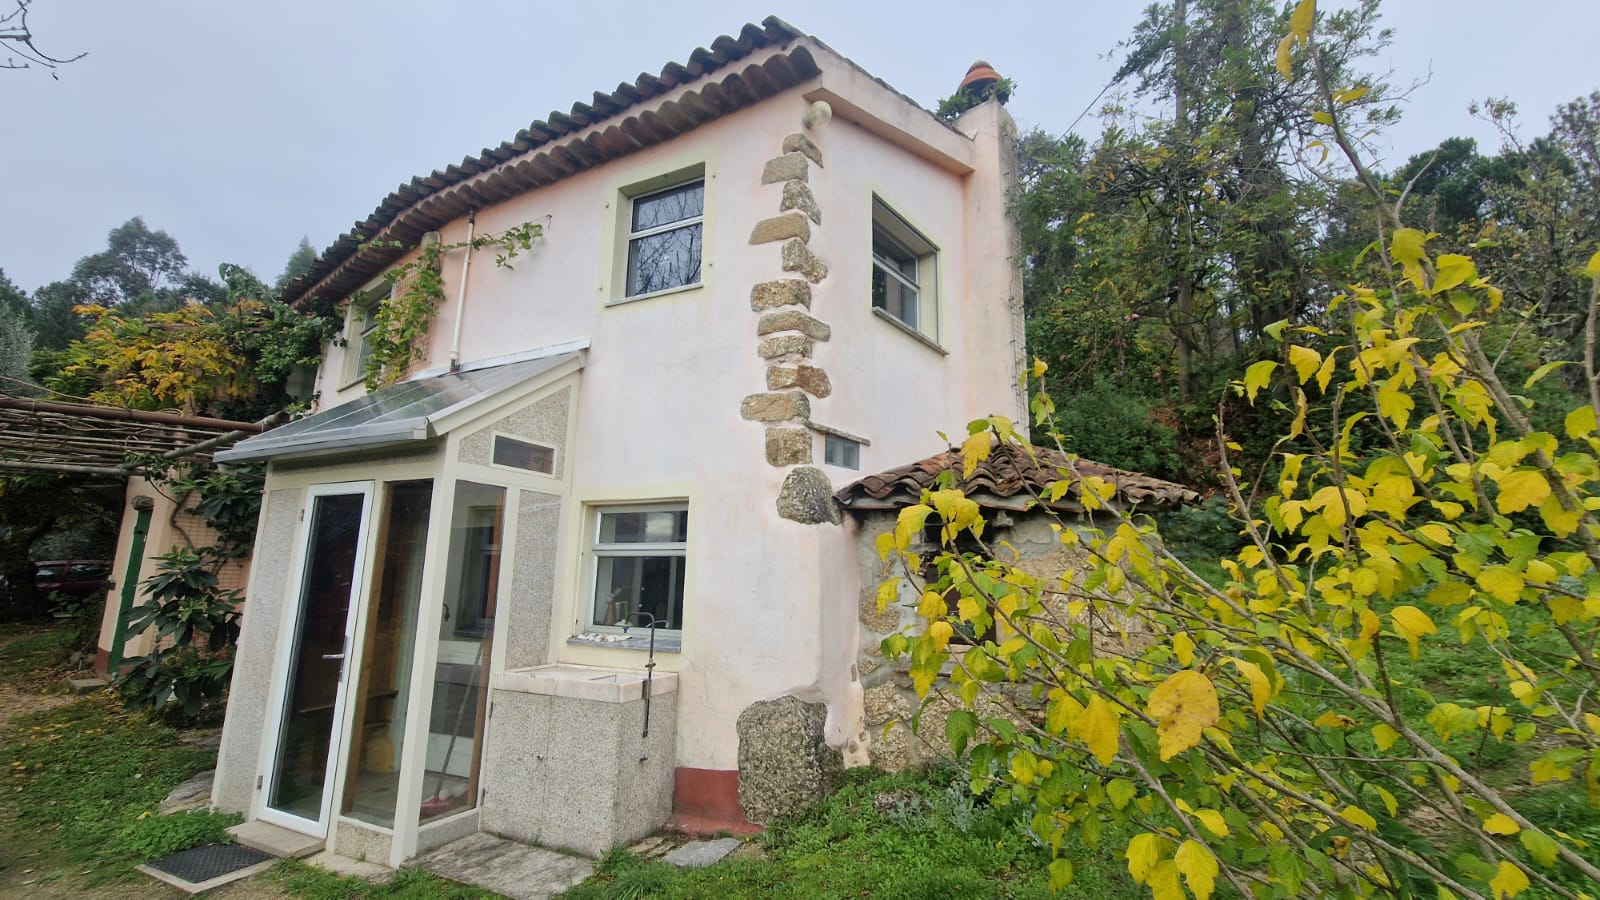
506, 867
653, 847
699, 854
354, 868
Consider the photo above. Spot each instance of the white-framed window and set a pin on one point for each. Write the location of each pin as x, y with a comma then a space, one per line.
904, 273
841, 452
665, 238
529, 456
637, 556
360, 322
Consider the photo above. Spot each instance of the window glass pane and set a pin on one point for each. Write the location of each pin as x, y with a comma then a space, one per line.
363, 356
662, 261
384, 682
891, 254
460, 678
892, 296
654, 526
838, 451
639, 591
523, 455
674, 205
316, 658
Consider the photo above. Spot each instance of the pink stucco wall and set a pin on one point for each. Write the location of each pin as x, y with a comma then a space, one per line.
767, 612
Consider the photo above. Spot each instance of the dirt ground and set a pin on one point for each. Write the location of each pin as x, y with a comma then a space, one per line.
19, 879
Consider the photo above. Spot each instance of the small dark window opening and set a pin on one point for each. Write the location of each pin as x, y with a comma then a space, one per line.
523, 455
971, 549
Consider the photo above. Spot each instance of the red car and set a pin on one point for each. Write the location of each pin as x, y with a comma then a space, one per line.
77, 577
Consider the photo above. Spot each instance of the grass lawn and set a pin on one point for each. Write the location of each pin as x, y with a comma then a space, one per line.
78, 796
908, 835
33, 658
80, 788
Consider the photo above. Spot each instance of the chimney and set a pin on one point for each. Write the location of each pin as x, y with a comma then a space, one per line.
980, 75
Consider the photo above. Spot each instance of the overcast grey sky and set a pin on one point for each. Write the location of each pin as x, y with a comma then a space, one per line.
238, 127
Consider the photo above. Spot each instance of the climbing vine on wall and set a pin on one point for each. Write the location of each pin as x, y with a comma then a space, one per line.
416, 289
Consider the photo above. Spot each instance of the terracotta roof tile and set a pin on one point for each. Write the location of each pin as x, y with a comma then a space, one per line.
430, 201
1007, 473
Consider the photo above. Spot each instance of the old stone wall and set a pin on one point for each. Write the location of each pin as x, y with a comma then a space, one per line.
889, 702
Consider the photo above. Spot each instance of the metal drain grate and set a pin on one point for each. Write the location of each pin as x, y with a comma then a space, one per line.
201, 864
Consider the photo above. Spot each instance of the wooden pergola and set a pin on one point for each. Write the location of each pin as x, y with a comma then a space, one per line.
49, 437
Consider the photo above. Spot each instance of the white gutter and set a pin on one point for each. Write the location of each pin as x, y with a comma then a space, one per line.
461, 298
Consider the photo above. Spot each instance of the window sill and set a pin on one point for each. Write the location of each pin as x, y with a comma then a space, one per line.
666, 642
921, 338
680, 289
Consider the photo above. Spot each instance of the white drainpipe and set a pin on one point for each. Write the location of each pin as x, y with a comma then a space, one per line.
461, 299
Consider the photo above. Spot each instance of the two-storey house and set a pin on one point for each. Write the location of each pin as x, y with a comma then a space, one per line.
531, 587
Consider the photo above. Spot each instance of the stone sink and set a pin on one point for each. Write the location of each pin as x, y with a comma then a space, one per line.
594, 683
572, 759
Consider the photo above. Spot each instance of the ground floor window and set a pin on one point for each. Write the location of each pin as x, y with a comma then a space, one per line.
638, 555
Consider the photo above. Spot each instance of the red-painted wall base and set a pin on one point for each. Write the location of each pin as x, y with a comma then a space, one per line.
706, 801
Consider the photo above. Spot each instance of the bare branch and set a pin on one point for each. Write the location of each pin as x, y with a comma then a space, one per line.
17, 38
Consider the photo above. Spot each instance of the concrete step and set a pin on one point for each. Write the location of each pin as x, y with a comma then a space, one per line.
86, 685
281, 842
699, 854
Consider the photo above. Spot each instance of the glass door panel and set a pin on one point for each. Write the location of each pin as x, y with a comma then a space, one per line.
466, 632
310, 718
372, 777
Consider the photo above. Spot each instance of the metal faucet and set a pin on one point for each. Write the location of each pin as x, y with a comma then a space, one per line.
650, 665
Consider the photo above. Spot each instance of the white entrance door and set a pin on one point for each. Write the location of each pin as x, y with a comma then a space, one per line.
309, 695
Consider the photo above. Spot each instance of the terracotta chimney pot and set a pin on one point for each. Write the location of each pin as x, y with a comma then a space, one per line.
979, 76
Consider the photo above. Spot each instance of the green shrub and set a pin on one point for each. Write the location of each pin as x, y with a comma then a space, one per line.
196, 625
1200, 534
1114, 426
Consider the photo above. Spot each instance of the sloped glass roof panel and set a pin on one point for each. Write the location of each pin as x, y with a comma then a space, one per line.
396, 414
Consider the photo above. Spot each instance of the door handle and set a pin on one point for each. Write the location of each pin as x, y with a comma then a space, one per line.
333, 656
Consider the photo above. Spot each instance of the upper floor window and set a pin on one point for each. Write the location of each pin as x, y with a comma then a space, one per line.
664, 238
359, 325
904, 274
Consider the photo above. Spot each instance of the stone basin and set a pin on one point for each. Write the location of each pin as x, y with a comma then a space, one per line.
596, 683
